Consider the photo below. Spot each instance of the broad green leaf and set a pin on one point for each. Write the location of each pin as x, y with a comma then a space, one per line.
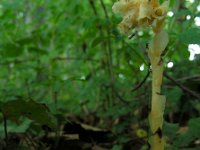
40, 114
11, 50
96, 41
192, 134
173, 96
194, 127
26, 40
182, 13
37, 112
116, 147
170, 130
37, 50
13, 110
190, 36
196, 105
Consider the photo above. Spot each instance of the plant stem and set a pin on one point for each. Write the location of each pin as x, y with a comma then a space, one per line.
158, 100
5, 130
157, 108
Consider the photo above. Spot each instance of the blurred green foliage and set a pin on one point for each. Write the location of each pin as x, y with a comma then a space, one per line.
70, 56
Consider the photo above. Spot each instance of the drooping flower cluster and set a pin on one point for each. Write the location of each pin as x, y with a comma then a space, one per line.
139, 13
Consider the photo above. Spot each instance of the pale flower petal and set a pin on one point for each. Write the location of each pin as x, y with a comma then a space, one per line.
140, 13
123, 6
161, 11
128, 22
144, 18
145, 11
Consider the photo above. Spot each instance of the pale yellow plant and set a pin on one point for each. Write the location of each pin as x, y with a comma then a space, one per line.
139, 13
149, 13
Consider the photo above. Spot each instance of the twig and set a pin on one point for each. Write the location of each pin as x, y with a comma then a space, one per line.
93, 7
131, 36
194, 77
5, 130
16, 61
194, 94
56, 58
120, 97
137, 53
32, 143
109, 54
28, 89
142, 82
104, 8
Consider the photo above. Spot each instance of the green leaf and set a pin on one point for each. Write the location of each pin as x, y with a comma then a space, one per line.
37, 50
13, 110
97, 41
190, 36
26, 40
40, 114
37, 112
194, 127
192, 133
170, 130
11, 50
183, 12
196, 105
173, 96
116, 147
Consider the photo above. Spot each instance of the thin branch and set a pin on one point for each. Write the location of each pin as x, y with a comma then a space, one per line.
5, 129
120, 97
194, 77
56, 58
31, 141
104, 8
192, 93
16, 61
137, 53
73, 58
93, 7
109, 54
143, 81
131, 36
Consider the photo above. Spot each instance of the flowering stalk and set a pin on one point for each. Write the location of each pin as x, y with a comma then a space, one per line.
155, 50
146, 13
